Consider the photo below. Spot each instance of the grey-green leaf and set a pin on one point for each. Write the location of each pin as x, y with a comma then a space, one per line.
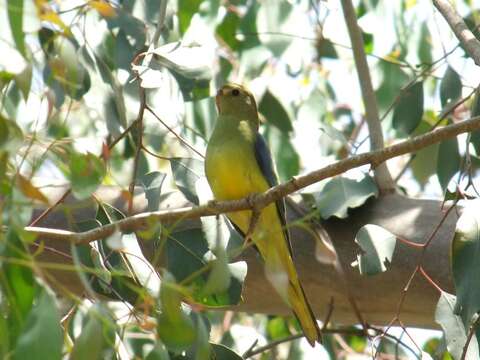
448, 161
274, 112
451, 323
42, 337
408, 111
342, 193
377, 246
450, 87
186, 172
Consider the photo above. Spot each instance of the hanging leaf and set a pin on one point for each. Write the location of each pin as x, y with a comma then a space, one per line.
186, 172
377, 246
408, 111
186, 10
465, 264
452, 325
274, 112
15, 18
341, 194
424, 51
450, 87
448, 161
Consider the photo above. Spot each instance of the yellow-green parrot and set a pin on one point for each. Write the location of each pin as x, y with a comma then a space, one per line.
238, 164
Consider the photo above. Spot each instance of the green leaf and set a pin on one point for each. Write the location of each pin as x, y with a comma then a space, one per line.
187, 257
86, 174
377, 246
15, 18
186, 172
275, 17
227, 30
42, 335
325, 49
475, 111
424, 164
174, 327
277, 328
465, 264
408, 111
450, 87
191, 61
224, 353
17, 282
393, 79
159, 352
455, 333
152, 185
11, 136
286, 158
448, 161
274, 112
186, 10
341, 193
97, 339
367, 42
425, 45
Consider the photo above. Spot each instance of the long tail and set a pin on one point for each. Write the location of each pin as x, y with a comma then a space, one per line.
281, 272
303, 311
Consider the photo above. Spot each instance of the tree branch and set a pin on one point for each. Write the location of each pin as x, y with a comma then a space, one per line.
382, 175
460, 29
374, 158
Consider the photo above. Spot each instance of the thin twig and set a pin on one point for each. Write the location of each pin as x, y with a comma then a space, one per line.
460, 29
275, 193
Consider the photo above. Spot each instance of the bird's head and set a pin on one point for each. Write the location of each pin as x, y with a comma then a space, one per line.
234, 99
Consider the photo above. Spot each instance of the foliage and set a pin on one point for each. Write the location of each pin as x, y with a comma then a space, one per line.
121, 93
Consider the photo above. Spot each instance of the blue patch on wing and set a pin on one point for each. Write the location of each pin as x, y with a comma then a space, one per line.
265, 163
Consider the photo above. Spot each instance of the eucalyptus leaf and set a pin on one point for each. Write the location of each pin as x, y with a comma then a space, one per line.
377, 246
275, 112
465, 265
341, 194
186, 172
86, 174
450, 87
408, 111
448, 161
452, 325
35, 339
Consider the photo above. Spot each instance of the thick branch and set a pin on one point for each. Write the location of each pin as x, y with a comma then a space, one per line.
382, 175
374, 158
460, 29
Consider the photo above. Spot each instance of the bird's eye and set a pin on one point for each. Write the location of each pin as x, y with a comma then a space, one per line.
235, 92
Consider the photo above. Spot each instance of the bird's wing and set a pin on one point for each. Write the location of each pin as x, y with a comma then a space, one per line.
265, 163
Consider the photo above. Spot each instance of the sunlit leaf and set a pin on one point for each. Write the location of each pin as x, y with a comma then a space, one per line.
186, 172
15, 17
103, 7
408, 111
465, 267
455, 333
376, 249
341, 194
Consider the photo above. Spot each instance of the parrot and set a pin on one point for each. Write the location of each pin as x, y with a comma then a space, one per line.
238, 164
